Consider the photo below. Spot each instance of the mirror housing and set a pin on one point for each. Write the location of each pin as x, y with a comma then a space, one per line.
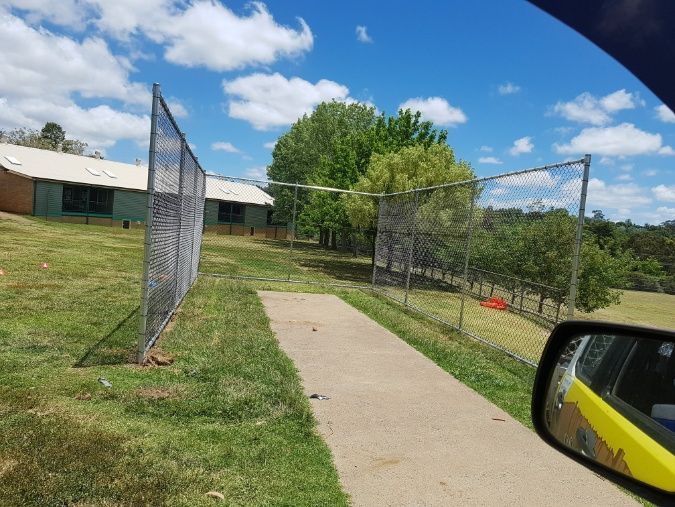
552, 380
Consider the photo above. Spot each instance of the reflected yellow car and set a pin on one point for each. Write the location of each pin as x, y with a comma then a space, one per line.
615, 403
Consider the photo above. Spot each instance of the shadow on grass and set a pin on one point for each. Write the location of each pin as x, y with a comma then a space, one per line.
115, 347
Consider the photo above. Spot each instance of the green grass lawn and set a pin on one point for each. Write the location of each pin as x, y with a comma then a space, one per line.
228, 415
246, 256
646, 308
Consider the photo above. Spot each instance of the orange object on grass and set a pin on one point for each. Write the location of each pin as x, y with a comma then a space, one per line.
496, 303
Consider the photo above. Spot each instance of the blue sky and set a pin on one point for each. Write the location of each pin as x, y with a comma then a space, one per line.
514, 87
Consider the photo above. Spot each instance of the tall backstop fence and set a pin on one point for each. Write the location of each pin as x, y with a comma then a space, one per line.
173, 226
495, 258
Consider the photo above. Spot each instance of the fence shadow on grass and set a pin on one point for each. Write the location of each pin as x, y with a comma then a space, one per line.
116, 347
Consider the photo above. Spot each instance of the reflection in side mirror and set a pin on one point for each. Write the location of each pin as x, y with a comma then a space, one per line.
610, 398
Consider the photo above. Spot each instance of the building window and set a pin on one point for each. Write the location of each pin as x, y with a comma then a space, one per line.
88, 200
230, 212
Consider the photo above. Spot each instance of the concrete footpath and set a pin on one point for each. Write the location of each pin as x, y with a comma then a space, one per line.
403, 431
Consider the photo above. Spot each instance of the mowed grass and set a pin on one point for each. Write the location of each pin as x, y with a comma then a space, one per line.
228, 415
256, 257
645, 308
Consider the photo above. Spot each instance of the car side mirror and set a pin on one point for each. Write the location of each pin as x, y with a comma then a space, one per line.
604, 395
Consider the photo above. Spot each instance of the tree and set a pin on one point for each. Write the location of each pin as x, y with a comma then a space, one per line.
49, 138
53, 134
412, 167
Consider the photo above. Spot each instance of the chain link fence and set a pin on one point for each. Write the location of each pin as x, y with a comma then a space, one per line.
173, 227
495, 258
255, 229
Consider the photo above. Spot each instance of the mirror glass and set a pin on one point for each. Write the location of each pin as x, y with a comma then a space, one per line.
611, 398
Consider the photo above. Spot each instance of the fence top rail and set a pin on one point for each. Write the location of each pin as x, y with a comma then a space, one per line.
526, 282
384, 194
485, 178
298, 185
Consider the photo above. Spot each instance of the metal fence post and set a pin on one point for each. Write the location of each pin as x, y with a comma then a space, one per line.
181, 179
571, 300
295, 205
377, 237
467, 249
140, 356
194, 221
410, 253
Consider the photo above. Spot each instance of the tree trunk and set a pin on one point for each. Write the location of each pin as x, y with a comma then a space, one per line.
333, 240
541, 302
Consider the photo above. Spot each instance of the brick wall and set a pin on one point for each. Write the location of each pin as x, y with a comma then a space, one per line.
16, 193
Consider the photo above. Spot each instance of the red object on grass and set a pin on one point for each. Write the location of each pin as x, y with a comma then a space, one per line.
496, 303
44, 265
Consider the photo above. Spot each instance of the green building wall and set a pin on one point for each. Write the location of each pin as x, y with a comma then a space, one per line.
48, 199
129, 205
254, 216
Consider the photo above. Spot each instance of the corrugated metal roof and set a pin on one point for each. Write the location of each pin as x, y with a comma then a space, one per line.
225, 190
51, 165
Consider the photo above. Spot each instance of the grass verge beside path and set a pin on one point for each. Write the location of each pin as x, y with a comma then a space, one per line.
228, 415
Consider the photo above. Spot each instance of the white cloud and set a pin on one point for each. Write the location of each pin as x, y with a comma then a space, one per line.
620, 196
586, 108
666, 150
177, 109
45, 73
209, 34
64, 12
436, 109
100, 126
664, 114
650, 172
619, 100
225, 146
522, 145
489, 160
199, 33
486, 149
535, 179
256, 173
664, 193
661, 214
499, 191
362, 34
508, 88
624, 177
271, 100
47, 65
270, 145
606, 160
617, 141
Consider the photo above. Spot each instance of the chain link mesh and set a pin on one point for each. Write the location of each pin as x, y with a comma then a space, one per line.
492, 257
273, 231
173, 231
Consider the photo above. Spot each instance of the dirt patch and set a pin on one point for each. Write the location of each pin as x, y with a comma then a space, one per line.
6, 465
157, 357
19, 219
157, 393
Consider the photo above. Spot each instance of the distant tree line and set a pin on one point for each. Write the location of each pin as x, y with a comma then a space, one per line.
647, 252
51, 137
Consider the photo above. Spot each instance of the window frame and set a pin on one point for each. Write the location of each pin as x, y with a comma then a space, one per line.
85, 194
229, 216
